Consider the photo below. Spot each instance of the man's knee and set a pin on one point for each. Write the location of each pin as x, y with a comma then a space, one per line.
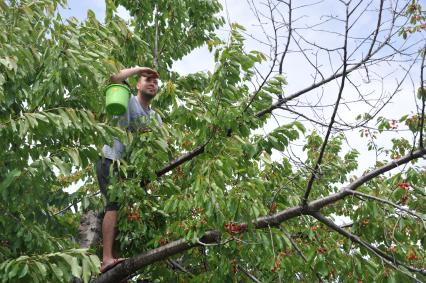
110, 219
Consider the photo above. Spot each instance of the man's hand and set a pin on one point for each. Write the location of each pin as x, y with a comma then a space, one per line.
148, 72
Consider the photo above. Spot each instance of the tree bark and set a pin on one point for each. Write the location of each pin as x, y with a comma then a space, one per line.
135, 263
90, 229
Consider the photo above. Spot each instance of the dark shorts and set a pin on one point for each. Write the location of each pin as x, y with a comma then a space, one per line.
102, 172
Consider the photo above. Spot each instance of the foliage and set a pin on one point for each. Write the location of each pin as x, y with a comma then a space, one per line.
417, 17
53, 123
52, 72
54, 267
171, 29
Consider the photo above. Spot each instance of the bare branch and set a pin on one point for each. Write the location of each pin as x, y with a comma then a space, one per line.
325, 81
339, 96
422, 89
280, 70
182, 159
376, 32
156, 38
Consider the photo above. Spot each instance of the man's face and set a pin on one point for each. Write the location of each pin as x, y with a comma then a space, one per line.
148, 86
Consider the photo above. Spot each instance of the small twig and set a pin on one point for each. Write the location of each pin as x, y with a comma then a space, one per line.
248, 274
75, 203
215, 244
156, 38
422, 89
389, 203
280, 70
299, 251
176, 265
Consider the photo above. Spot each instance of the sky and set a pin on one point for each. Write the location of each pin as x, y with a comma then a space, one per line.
297, 69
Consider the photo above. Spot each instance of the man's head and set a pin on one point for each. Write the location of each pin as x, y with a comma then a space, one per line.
148, 86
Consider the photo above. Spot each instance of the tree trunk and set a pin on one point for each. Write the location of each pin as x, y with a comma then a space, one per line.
90, 229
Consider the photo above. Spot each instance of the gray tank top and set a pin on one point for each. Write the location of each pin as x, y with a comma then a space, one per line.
134, 119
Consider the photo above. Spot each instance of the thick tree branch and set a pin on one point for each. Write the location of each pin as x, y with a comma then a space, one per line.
320, 203
133, 264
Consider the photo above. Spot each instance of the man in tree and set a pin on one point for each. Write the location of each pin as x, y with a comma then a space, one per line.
138, 107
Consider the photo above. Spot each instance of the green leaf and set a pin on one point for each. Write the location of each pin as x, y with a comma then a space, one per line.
73, 263
24, 271
56, 271
95, 262
10, 177
322, 268
299, 126
14, 271
311, 256
73, 153
421, 93
287, 241
86, 271
41, 268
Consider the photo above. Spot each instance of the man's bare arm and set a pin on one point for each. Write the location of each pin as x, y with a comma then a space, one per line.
125, 73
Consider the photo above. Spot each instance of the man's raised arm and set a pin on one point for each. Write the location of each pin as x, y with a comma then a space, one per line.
121, 76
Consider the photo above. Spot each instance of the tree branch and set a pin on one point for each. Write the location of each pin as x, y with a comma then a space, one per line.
182, 159
133, 264
325, 81
387, 202
156, 38
176, 265
299, 251
423, 94
280, 70
249, 275
383, 256
330, 126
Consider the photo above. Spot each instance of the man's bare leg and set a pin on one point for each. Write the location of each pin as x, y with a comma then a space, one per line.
108, 235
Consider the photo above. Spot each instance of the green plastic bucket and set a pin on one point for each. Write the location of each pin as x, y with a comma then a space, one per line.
117, 99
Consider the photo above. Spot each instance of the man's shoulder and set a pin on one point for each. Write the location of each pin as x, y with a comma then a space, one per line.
132, 100
133, 107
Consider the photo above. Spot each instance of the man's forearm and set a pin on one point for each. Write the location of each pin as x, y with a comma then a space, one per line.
125, 73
